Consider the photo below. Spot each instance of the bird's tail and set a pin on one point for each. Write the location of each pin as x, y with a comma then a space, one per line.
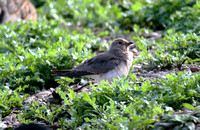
70, 73
61, 72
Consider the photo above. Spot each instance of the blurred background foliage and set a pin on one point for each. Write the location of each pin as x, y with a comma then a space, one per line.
182, 15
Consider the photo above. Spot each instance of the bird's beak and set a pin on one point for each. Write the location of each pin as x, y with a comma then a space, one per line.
129, 43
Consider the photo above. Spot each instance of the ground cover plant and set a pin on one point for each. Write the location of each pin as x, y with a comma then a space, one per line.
162, 93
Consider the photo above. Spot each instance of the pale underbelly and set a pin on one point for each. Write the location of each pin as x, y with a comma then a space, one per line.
113, 74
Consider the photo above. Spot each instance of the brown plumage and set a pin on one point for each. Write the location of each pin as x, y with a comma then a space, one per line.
15, 10
106, 66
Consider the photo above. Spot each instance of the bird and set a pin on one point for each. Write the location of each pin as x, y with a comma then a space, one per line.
111, 64
15, 10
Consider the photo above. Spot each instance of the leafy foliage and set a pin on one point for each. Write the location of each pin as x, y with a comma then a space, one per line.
178, 121
156, 14
113, 106
186, 44
11, 99
27, 58
178, 89
38, 111
166, 14
120, 104
172, 51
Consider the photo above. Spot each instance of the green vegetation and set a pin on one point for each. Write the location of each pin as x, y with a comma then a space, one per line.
69, 32
154, 14
175, 49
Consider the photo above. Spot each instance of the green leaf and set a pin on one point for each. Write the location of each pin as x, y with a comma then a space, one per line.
63, 96
68, 79
190, 125
87, 119
87, 98
71, 94
4, 50
136, 6
146, 86
159, 110
188, 106
178, 127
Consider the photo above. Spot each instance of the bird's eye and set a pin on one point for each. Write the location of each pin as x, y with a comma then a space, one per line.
120, 43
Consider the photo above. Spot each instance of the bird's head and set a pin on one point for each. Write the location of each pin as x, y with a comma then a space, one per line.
121, 45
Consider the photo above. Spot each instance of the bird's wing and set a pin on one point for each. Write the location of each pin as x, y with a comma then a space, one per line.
97, 65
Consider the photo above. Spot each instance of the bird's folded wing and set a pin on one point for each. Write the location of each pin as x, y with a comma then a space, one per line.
98, 65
